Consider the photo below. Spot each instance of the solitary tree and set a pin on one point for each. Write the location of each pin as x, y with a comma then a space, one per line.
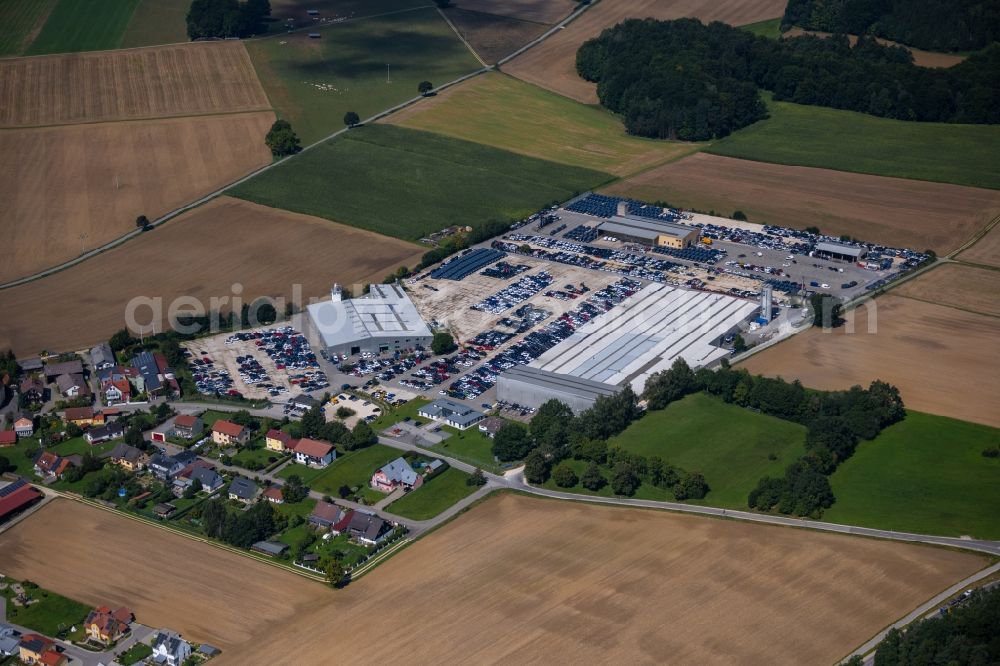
425, 87
443, 343
335, 572
282, 139
142, 222
351, 119
476, 479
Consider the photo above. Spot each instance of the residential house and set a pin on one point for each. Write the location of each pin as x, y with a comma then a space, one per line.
243, 490
73, 385
165, 467
24, 426
276, 440
329, 516
7, 438
367, 528
227, 433
53, 370
170, 649
116, 384
186, 457
272, 548
154, 376
188, 426
274, 495
9, 639
37, 649
127, 457
32, 388
210, 479
82, 416
104, 433
396, 474
102, 357
29, 365
314, 452
451, 413
106, 626
490, 425
49, 465
163, 510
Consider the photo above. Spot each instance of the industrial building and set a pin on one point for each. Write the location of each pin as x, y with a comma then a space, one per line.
532, 387
839, 251
385, 320
650, 232
645, 333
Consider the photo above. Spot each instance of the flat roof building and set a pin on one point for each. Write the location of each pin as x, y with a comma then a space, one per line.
839, 251
384, 320
532, 387
451, 413
648, 231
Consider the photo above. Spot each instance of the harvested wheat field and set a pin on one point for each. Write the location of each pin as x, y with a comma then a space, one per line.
893, 211
515, 580
539, 11
208, 594
963, 287
942, 359
200, 254
552, 64
986, 250
184, 79
94, 180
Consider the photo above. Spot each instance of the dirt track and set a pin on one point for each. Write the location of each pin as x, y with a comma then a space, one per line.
895, 211
986, 250
203, 592
201, 254
943, 360
516, 580
64, 182
186, 79
552, 64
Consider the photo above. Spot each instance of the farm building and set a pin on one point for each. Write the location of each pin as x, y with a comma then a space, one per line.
650, 232
645, 334
384, 320
532, 387
839, 252
15, 496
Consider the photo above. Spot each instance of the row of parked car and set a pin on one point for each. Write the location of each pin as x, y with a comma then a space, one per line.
514, 293
210, 380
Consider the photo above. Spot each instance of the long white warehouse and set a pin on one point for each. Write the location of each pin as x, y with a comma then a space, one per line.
645, 333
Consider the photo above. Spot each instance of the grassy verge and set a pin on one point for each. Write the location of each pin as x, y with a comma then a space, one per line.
502, 111
849, 141
925, 474
84, 25
434, 496
363, 66
360, 179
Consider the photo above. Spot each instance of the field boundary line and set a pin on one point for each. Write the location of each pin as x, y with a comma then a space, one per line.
460, 37
381, 557
976, 237
949, 305
193, 537
548, 33
143, 119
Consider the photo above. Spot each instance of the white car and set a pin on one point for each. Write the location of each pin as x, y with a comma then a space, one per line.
825, 285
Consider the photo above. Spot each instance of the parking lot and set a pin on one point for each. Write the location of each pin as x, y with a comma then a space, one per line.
269, 362
364, 410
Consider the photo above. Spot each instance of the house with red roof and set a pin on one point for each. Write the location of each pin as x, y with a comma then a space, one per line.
106, 626
37, 649
24, 426
82, 416
48, 465
227, 433
276, 440
331, 517
188, 426
314, 453
8, 438
274, 495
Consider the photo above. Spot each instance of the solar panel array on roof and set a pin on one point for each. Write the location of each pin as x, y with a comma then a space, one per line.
467, 264
645, 334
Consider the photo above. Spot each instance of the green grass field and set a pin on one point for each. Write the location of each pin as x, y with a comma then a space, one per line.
728, 444
471, 446
926, 474
388, 418
84, 25
22, 18
769, 28
354, 469
50, 615
314, 82
849, 141
407, 183
157, 22
434, 496
507, 113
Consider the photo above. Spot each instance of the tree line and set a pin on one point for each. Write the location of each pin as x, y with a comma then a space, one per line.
226, 18
685, 80
936, 25
835, 422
